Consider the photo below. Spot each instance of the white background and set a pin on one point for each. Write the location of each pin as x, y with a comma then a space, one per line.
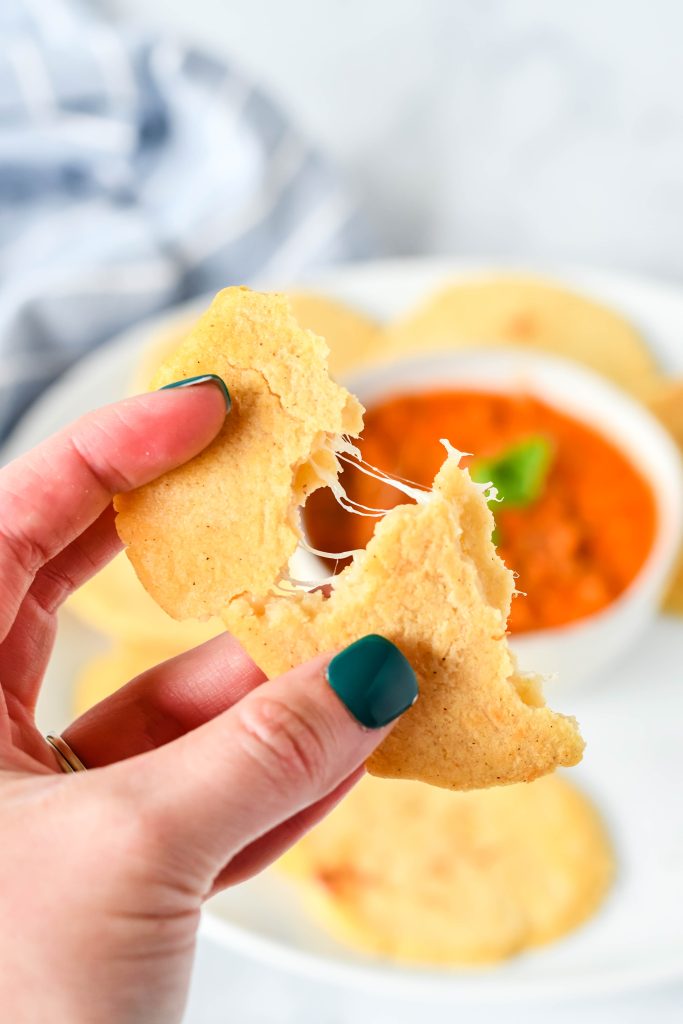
516, 128
506, 128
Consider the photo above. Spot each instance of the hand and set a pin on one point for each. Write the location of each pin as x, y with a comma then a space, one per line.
198, 776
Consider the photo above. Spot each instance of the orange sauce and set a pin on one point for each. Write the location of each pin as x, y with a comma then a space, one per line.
575, 548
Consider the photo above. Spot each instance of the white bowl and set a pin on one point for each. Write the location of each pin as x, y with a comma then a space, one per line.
584, 648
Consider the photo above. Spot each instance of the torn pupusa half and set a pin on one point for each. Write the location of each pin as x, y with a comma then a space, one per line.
215, 536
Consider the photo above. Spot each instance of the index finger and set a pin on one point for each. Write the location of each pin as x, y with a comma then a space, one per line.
51, 494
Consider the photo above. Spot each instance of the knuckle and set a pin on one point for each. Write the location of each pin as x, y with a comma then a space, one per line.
24, 549
287, 745
60, 577
102, 467
51, 588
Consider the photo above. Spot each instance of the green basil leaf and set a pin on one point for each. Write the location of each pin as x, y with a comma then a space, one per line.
519, 473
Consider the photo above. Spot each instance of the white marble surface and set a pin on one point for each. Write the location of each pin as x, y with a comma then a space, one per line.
506, 128
514, 128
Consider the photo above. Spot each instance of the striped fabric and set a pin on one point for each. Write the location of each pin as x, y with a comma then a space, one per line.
135, 174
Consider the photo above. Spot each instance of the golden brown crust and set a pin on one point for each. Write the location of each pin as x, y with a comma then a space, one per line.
217, 532
420, 875
352, 337
430, 581
223, 523
510, 309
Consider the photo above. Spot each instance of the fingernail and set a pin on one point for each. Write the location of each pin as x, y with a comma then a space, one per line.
213, 377
374, 680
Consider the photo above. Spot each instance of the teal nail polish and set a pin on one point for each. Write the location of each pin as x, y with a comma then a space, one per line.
213, 377
374, 680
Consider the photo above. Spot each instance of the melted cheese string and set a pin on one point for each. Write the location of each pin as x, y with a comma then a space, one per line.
418, 494
308, 586
326, 554
345, 451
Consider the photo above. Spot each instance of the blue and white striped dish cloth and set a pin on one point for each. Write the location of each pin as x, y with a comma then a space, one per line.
135, 174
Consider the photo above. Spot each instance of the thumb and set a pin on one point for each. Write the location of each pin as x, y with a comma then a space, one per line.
285, 746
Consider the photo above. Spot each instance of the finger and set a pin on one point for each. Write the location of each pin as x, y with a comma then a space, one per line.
25, 652
265, 850
78, 562
51, 495
165, 702
284, 747
5, 722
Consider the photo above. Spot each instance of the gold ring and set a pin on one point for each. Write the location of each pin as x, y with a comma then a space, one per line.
68, 761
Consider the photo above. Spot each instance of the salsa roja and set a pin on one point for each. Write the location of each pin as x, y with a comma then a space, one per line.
576, 544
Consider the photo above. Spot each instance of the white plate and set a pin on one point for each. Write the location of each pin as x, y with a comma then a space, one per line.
633, 764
